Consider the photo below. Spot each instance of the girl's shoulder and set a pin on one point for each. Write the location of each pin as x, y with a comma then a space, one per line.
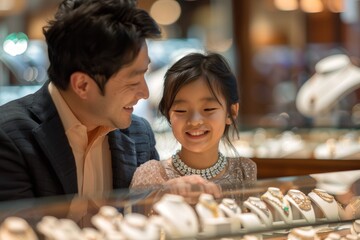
151, 172
243, 165
241, 161
149, 165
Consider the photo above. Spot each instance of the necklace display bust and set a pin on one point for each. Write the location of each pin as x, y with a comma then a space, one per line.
301, 205
280, 205
335, 78
180, 218
259, 207
324, 204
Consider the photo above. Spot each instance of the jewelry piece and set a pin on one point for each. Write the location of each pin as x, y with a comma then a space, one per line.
211, 205
278, 199
303, 202
326, 203
260, 205
277, 194
354, 205
206, 173
229, 207
284, 207
323, 195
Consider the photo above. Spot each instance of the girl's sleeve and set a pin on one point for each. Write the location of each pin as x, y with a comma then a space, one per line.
151, 173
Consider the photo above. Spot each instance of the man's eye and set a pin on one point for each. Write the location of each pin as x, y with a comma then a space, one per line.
179, 111
209, 109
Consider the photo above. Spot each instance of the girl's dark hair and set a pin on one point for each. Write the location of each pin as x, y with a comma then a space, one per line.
214, 69
95, 37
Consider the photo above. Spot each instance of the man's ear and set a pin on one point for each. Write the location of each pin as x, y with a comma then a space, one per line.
234, 111
80, 84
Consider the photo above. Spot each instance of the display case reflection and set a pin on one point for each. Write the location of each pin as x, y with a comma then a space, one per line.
316, 205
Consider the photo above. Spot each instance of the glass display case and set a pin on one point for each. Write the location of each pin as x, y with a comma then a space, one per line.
317, 206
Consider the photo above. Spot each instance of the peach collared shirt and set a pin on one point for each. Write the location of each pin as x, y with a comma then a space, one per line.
93, 159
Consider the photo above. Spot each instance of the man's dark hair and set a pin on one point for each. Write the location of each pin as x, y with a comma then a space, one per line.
97, 37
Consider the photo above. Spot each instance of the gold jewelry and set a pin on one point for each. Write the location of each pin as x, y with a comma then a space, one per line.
260, 205
278, 199
323, 195
276, 194
303, 202
212, 206
355, 207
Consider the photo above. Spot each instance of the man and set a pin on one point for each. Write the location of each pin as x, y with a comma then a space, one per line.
65, 138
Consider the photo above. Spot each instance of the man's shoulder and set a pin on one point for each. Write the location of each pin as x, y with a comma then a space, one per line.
15, 110
138, 125
26, 111
137, 120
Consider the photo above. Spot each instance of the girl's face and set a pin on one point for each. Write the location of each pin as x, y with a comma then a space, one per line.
198, 120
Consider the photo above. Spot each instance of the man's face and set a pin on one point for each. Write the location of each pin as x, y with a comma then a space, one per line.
122, 92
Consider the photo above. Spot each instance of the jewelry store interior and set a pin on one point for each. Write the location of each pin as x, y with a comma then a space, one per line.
298, 68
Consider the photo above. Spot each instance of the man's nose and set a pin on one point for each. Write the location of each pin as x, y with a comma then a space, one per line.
143, 90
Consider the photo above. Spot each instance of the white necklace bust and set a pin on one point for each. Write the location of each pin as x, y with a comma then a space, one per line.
335, 78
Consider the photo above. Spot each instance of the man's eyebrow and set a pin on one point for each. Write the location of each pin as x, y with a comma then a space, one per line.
136, 71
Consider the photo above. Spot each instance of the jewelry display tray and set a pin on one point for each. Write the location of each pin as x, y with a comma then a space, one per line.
81, 210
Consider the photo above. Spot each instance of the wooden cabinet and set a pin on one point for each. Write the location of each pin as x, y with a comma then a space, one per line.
272, 168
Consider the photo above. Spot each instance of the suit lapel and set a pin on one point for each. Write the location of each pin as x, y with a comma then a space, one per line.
53, 141
51, 137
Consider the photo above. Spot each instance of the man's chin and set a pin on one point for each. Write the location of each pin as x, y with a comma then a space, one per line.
125, 125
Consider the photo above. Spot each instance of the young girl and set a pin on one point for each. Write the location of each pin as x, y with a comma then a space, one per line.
200, 102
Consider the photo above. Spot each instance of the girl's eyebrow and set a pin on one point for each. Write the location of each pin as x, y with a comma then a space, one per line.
205, 99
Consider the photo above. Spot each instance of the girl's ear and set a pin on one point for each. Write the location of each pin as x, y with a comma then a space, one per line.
234, 110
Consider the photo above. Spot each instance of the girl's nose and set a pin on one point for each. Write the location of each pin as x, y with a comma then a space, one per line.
195, 119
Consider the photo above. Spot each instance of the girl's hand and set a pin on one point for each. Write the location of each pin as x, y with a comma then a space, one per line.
190, 187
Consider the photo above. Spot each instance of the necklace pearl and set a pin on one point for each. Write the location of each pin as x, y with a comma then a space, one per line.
206, 173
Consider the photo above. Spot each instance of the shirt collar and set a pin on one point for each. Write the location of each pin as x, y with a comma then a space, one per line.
69, 120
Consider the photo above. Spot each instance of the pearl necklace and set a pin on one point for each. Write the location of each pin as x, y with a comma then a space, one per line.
206, 173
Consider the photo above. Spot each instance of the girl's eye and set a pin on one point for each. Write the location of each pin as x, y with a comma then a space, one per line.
209, 109
179, 111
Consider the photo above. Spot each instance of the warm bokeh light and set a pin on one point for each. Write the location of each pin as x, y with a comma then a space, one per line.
220, 45
165, 12
261, 32
335, 6
9, 7
286, 5
6, 5
311, 6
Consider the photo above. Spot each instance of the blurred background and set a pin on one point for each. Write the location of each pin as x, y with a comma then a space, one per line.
272, 46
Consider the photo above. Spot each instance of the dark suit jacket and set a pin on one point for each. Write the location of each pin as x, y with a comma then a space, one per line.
36, 159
